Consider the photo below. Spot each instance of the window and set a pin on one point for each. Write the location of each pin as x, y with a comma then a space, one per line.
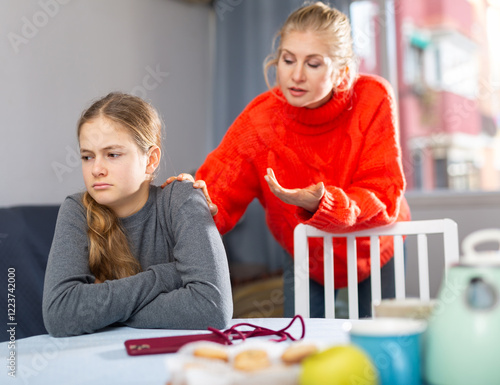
448, 89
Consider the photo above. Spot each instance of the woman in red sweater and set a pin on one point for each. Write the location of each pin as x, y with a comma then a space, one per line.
329, 136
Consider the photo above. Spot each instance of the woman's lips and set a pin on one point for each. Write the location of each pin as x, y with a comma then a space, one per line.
294, 91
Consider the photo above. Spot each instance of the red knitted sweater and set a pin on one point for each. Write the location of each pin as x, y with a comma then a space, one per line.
350, 143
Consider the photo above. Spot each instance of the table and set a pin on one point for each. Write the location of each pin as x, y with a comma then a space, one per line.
100, 358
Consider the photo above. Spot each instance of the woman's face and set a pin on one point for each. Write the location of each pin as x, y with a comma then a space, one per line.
115, 169
306, 74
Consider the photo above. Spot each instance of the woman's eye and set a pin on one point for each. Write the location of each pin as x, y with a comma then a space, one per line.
314, 65
287, 61
114, 155
86, 157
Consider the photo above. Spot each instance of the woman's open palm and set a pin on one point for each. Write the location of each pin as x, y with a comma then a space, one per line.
308, 198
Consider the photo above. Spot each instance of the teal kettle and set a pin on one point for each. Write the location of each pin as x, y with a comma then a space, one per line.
462, 341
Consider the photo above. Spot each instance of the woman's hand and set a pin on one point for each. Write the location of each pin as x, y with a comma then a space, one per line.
308, 198
196, 184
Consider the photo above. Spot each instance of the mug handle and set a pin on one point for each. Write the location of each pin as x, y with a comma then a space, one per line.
477, 237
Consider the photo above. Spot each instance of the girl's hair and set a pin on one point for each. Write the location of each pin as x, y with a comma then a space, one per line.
332, 26
109, 251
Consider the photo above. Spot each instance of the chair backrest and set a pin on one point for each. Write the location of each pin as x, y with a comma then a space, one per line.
446, 227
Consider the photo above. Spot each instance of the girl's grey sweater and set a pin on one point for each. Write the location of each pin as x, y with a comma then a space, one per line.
185, 279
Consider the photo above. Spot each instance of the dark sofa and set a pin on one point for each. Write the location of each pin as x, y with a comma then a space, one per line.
25, 237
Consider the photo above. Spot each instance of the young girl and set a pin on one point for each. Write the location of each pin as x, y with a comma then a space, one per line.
331, 138
127, 252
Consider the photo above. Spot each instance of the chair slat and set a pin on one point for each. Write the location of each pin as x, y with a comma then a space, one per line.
423, 267
399, 267
329, 277
352, 278
450, 234
301, 271
376, 285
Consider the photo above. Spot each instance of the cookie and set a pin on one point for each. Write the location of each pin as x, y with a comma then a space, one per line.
211, 353
251, 360
294, 354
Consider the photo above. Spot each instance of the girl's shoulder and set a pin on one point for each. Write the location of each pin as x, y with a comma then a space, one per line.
176, 194
72, 210
74, 203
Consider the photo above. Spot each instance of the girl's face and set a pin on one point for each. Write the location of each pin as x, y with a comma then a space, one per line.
115, 170
306, 74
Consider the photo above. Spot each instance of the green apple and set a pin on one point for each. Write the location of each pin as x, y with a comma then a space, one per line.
339, 365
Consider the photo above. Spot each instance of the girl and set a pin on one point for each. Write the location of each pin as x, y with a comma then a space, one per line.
127, 252
331, 136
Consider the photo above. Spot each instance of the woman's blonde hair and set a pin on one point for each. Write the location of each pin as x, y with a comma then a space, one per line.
332, 26
110, 256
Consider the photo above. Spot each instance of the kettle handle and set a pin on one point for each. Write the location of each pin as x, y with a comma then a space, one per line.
473, 239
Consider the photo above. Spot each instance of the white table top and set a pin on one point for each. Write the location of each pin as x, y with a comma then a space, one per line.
100, 358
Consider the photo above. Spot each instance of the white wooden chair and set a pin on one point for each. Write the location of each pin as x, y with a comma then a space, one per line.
446, 227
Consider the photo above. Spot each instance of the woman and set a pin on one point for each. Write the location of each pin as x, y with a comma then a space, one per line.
330, 136
127, 252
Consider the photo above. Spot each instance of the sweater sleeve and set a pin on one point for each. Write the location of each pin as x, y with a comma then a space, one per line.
230, 173
374, 196
72, 303
204, 297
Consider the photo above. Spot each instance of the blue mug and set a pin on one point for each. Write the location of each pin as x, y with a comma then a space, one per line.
394, 345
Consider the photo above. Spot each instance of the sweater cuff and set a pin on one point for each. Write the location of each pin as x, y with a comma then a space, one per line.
319, 219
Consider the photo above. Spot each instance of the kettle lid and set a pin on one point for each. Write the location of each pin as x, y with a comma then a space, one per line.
473, 257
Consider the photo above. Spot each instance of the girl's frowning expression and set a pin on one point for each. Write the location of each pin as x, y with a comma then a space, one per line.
115, 170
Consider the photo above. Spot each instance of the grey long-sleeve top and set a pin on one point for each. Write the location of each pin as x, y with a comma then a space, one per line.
185, 279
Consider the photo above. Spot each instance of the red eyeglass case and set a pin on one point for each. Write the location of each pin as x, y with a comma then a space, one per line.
160, 345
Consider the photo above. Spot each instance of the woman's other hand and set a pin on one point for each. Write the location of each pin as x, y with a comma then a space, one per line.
308, 198
196, 184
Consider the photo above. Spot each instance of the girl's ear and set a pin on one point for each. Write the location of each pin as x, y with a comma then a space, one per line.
154, 155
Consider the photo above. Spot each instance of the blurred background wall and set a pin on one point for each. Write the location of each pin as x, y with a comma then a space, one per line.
58, 55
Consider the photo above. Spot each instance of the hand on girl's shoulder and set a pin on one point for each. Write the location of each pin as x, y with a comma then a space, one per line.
179, 177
